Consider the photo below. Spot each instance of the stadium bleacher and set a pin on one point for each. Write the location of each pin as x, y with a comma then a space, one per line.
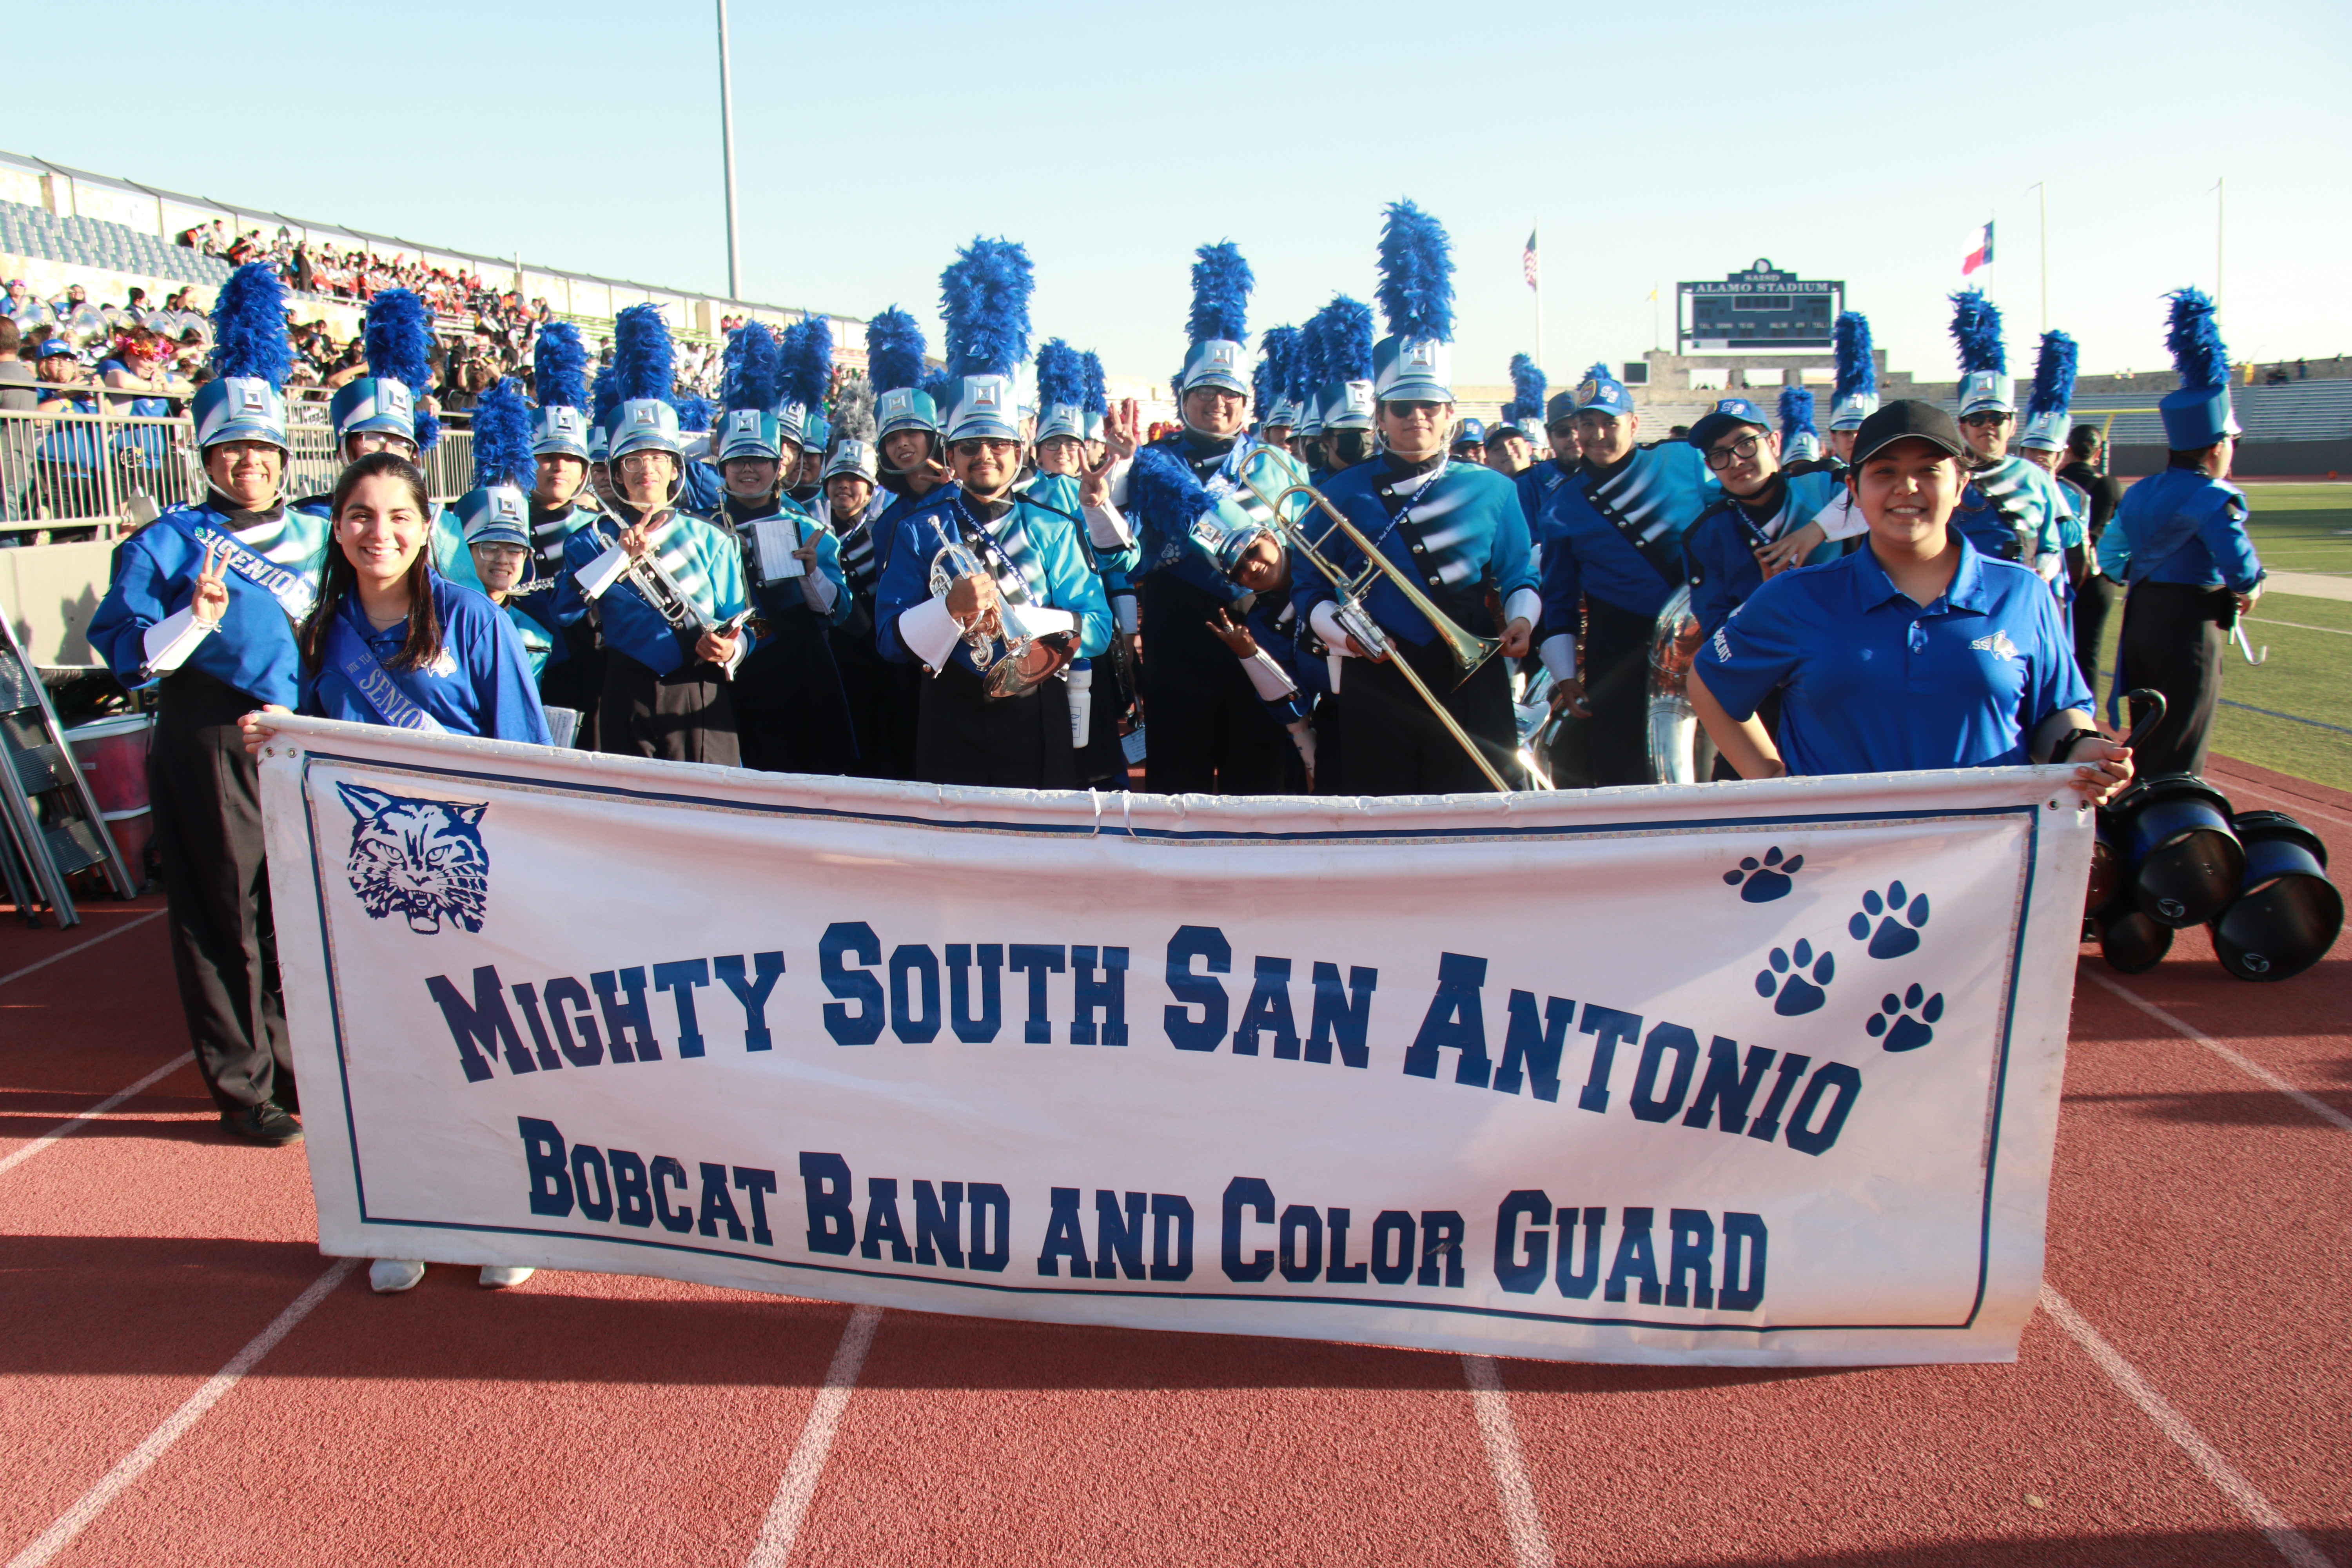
35, 232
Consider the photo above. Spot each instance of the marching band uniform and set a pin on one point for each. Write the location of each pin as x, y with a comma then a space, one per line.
1721, 548
2178, 543
496, 511
572, 676
1613, 537
883, 695
1452, 527
206, 788
1536, 482
2012, 510
396, 337
1800, 439
2094, 589
1854, 399
660, 697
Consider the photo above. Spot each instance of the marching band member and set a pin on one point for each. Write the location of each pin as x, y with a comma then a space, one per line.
906, 422
2011, 510
390, 409
2086, 469
494, 518
1098, 689
667, 585
1469, 442
883, 695
1613, 537
789, 709
1509, 449
1537, 482
1277, 417
1344, 394
202, 607
562, 504
1209, 734
1917, 651
1853, 399
982, 586
1800, 439
1453, 527
2178, 543
2041, 440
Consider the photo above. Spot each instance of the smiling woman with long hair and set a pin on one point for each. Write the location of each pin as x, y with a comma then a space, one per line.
390, 641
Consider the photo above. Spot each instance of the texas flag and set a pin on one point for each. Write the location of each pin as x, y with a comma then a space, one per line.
1980, 249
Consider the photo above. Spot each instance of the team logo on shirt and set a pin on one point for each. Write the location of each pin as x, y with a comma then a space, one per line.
1997, 645
1722, 644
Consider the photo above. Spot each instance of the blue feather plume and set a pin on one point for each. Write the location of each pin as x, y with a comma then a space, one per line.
1270, 378
807, 376
1222, 282
502, 437
695, 413
2053, 376
1096, 396
644, 360
1162, 485
754, 365
1976, 326
1347, 340
1061, 375
559, 367
2195, 340
1796, 413
1527, 386
603, 396
398, 342
1310, 366
941, 387
985, 299
250, 327
1416, 290
893, 351
1857, 371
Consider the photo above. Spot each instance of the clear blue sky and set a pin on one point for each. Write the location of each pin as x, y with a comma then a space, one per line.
1654, 144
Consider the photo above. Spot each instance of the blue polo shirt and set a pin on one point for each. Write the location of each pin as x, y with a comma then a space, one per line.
1877, 683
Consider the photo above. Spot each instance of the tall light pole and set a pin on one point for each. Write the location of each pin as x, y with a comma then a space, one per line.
727, 158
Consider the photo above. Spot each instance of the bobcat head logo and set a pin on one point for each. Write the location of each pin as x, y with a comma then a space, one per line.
422, 859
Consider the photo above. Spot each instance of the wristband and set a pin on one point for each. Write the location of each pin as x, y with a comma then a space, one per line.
2067, 743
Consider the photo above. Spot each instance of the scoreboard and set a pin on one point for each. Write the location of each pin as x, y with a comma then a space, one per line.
1758, 310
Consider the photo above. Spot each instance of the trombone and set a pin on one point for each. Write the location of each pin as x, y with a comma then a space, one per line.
1469, 652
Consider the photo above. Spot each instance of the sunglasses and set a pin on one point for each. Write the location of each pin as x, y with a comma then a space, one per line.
1987, 421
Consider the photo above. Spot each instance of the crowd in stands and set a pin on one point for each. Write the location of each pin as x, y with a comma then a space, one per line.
360, 275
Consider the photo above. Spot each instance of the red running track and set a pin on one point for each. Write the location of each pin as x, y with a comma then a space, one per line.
2198, 1243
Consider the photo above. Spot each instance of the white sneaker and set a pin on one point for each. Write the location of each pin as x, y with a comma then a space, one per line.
390, 1276
499, 1276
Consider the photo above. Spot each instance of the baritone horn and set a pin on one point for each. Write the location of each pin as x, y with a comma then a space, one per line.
1469, 651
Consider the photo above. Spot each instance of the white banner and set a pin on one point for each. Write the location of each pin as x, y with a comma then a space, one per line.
1759, 1074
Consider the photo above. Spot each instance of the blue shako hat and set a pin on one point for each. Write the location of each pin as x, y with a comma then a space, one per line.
1270, 379
642, 375
1414, 363
496, 510
1985, 386
1309, 364
1525, 411
748, 391
1061, 392
1348, 391
852, 455
805, 379
894, 365
1800, 439
398, 342
984, 299
559, 374
1218, 327
1602, 393
2046, 417
251, 356
2199, 414
1855, 396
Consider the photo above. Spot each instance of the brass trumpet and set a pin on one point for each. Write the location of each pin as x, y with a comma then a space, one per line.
1469, 651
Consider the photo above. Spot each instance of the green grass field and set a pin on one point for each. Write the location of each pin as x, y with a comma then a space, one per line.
2305, 529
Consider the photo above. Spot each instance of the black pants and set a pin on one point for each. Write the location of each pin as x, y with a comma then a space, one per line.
2173, 641
792, 715
1101, 762
1210, 733
1014, 742
208, 809
1397, 746
2094, 596
686, 716
577, 679
885, 698
1612, 747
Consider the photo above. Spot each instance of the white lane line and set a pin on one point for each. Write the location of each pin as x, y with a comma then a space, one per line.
798, 1490
1530, 1545
2302, 809
141, 1460
2239, 1059
2292, 1544
16, 1157
93, 942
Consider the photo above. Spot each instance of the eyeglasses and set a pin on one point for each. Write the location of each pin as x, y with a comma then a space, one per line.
1987, 420
1739, 451
640, 461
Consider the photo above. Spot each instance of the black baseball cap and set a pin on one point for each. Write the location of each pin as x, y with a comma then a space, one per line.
1561, 407
1907, 419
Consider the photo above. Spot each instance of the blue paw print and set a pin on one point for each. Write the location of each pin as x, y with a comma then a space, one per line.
1797, 995
1899, 916
1894, 1019
1761, 881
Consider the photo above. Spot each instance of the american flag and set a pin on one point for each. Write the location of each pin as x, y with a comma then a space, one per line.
1528, 259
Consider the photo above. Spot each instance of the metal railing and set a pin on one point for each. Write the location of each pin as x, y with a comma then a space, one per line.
90, 475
